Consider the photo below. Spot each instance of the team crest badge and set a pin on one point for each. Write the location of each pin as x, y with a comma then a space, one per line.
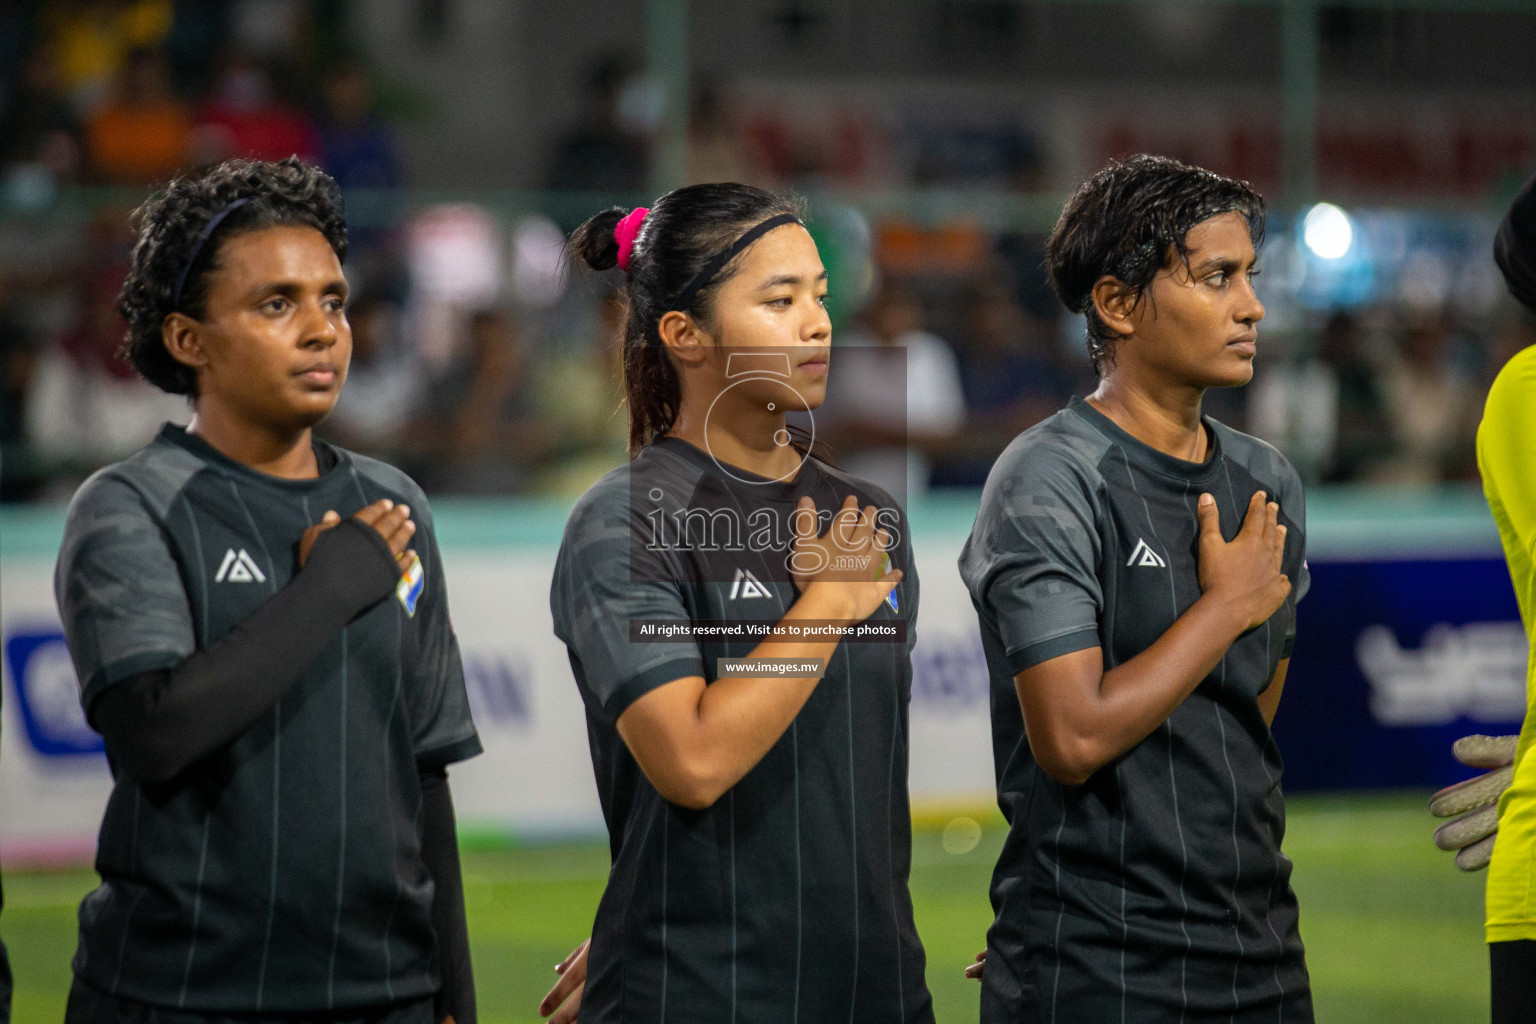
408, 590
890, 599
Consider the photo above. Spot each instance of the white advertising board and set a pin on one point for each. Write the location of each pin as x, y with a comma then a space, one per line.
534, 780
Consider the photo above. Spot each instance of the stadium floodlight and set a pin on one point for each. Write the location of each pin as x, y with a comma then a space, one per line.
1328, 231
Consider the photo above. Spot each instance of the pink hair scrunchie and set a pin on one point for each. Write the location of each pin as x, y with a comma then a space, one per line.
626, 231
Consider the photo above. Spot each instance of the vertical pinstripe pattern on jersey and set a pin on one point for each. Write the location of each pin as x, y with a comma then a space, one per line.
853, 833
202, 569
794, 745
197, 913
133, 865
341, 853
1274, 883
642, 841
1269, 920
261, 541
1173, 598
1237, 851
389, 723
1061, 906
731, 815
1125, 924
890, 835
202, 643
666, 832
341, 857
1173, 784
277, 762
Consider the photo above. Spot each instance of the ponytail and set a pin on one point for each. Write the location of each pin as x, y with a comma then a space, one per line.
667, 249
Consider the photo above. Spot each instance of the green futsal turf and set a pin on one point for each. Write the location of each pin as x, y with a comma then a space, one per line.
1393, 931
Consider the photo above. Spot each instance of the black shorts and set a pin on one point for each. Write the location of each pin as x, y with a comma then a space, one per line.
89, 1006
1512, 975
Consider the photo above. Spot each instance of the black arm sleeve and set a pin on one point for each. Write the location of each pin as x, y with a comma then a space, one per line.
1514, 248
440, 851
157, 723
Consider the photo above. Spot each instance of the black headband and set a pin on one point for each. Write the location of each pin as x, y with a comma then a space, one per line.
718, 261
197, 247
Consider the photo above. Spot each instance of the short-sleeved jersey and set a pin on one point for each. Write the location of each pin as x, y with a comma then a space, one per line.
283, 872
1157, 889
787, 899
1506, 455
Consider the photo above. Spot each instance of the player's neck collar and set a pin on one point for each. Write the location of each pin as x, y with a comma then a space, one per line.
1149, 458
741, 480
328, 457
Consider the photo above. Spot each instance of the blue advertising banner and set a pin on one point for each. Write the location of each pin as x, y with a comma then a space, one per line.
47, 696
1395, 659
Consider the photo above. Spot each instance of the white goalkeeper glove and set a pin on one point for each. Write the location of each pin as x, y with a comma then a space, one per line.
1473, 805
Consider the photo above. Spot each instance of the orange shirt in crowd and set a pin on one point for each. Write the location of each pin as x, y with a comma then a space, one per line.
134, 143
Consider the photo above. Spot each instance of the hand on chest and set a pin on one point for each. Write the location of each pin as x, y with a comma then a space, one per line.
239, 546
1150, 570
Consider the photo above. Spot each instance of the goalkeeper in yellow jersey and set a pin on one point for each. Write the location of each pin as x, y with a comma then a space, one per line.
1506, 831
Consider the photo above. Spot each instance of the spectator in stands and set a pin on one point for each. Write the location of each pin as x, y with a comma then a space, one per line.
580, 391
21, 475
92, 38
244, 118
143, 133
1012, 376
1514, 330
384, 386
272, 29
895, 398
716, 148
486, 433
1294, 404
1362, 433
357, 149
598, 154
199, 36
86, 406
1431, 408
1021, 251
39, 131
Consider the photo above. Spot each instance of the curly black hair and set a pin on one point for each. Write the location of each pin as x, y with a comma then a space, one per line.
170, 223
1128, 222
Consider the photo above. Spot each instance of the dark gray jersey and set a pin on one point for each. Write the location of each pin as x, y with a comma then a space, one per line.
282, 873
787, 899
1157, 890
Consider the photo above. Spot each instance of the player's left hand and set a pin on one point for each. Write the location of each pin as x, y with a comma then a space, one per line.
565, 998
974, 971
1473, 805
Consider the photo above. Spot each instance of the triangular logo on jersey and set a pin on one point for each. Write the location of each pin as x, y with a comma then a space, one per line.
1144, 555
239, 567
747, 585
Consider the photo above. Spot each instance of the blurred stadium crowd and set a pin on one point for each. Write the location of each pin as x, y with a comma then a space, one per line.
482, 369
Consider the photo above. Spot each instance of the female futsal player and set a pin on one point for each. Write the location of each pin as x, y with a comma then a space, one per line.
270, 664
754, 782
1131, 564
1506, 440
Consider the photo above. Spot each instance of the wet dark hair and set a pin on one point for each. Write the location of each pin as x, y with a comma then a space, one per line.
684, 229
171, 224
1128, 222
